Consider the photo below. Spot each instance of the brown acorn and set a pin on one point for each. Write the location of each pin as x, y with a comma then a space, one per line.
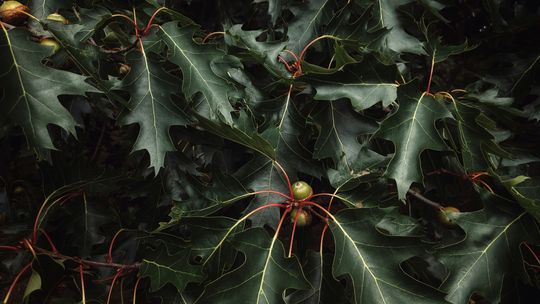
13, 12
124, 69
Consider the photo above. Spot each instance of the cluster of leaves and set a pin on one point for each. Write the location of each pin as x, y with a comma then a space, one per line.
166, 135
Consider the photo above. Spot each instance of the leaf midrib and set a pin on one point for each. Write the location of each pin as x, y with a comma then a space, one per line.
151, 96
19, 76
209, 88
482, 253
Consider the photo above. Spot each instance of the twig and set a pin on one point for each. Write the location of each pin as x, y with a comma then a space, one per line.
88, 262
425, 199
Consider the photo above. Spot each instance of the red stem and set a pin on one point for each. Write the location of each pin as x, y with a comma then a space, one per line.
118, 273
14, 283
109, 257
278, 228
149, 24
53, 248
478, 174
323, 233
286, 176
298, 211
486, 185
87, 262
272, 192
13, 248
320, 207
287, 66
533, 253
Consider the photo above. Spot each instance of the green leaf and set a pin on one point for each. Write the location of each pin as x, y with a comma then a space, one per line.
261, 174
84, 55
526, 190
412, 130
473, 138
340, 128
151, 105
386, 14
288, 134
274, 8
32, 99
170, 263
201, 254
34, 283
372, 259
43, 8
324, 288
490, 251
364, 83
199, 75
310, 18
205, 199
436, 47
265, 52
262, 278
242, 132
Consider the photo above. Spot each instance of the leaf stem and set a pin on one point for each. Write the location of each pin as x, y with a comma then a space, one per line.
38, 216
271, 192
150, 22
298, 211
49, 240
81, 275
304, 50
135, 289
533, 253
332, 195
118, 273
125, 17
14, 283
109, 257
12, 248
278, 165
431, 72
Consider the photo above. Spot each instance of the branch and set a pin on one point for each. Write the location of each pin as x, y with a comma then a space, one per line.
88, 262
425, 199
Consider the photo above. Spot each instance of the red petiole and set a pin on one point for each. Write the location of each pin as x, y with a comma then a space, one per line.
15, 281
49, 240
109, 256
118, 273
298, 212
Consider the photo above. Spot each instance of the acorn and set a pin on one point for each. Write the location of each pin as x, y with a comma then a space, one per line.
13, 12
124, 69
58, 18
